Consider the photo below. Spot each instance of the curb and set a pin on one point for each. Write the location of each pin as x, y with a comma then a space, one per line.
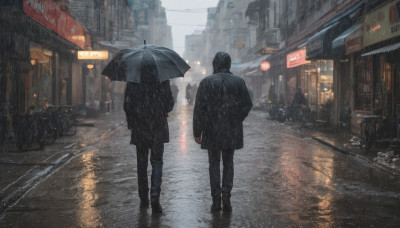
371, 163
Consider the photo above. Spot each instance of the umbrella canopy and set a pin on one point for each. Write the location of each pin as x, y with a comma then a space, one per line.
127, 64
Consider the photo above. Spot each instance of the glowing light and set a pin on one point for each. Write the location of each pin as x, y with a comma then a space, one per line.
101, 55
265, 66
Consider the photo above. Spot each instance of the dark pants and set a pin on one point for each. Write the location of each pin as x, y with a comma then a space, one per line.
156, 160
214, 158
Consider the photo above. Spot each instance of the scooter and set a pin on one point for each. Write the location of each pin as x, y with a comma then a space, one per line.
282, 113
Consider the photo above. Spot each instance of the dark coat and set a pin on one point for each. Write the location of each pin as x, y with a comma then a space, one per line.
222, 103
146, 106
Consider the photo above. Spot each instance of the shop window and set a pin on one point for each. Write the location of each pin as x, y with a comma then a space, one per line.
308, 84
363, 83
39, 81
325, 69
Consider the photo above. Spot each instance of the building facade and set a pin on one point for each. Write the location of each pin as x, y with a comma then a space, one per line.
42, 42
341, 53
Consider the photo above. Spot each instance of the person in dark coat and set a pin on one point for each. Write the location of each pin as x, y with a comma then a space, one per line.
146, 106
175, 92
300, 110
188, 95
222, 104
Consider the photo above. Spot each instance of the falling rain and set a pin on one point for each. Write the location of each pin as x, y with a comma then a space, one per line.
201, 113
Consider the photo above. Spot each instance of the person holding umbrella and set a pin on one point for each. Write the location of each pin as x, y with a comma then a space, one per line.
148, 100
222, 104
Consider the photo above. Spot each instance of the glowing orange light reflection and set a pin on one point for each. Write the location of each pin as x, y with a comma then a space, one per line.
89, 215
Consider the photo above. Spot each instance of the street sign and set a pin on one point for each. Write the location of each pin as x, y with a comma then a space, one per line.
100, 55
265, 66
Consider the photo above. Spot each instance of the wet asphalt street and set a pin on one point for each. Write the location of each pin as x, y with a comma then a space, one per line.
282, 179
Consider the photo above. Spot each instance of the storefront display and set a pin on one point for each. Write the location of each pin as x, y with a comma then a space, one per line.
39, 81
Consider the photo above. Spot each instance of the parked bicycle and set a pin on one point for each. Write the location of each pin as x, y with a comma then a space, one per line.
46, 128
26, 132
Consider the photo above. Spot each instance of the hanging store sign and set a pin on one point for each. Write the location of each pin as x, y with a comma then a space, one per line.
296, 58
49, 14
265, 66
353, 42
314, 47
382, 24
96, 55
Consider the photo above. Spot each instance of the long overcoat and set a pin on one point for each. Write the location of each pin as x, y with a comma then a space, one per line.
146, 107
222, 104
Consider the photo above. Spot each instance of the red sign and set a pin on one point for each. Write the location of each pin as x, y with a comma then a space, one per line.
265, 66
50, 15
296, 58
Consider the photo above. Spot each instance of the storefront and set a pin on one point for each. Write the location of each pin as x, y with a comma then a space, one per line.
39, 81
314, 78
377, 74
276, 74
255, 78
346, 47
295, 62
258, 83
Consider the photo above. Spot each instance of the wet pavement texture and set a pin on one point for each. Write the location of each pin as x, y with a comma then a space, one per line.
282, 179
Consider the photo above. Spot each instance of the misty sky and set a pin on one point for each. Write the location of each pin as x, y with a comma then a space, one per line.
185, 16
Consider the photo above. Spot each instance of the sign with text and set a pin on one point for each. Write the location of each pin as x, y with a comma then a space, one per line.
49, 14
96, 55
382, 24
296, 58
353, 42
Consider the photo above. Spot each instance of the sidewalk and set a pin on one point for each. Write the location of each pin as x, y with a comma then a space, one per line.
383, 158
20, 171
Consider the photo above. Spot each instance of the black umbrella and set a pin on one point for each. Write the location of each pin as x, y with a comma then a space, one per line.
127, 64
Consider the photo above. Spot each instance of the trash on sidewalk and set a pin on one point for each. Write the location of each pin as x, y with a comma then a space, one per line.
355, 141
388, 158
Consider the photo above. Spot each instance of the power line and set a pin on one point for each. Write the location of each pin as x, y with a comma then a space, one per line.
185, 24
199, 10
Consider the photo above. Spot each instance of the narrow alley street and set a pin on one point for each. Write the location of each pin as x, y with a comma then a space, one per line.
282, 179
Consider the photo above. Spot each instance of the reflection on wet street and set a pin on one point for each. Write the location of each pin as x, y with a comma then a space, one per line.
282, 179
88, 213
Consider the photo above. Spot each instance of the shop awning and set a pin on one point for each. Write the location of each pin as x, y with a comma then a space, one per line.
319, 46
253, 73
386, 49
251, 65
339, 41
315, 45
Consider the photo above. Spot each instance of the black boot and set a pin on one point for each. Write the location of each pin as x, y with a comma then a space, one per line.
216, 206
155, 205
226, 202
